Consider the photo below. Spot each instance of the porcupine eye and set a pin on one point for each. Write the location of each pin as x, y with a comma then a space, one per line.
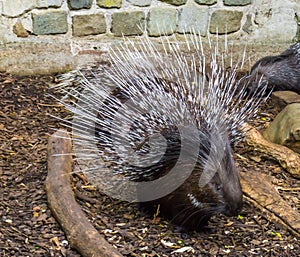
216, 183
218, 187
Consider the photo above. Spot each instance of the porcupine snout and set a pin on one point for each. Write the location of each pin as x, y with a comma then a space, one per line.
234, 203
232, 190
225, 183
279, 72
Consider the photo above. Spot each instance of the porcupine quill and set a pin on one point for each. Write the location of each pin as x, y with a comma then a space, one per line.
157, 127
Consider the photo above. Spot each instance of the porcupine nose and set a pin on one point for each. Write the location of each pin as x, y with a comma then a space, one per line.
234, 205
233, 208
233, 199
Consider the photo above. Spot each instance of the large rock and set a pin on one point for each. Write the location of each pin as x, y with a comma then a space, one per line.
49, 3
275, 20
237, 2
91, 24
140, 2
285, 129
283, 98
33, 58
76, 4
161, 21
175, 2
109, 3
14, 8
50, 22
206, 2
225, 21
193, 18
128, 23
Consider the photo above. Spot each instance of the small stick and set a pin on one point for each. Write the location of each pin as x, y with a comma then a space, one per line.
79, 231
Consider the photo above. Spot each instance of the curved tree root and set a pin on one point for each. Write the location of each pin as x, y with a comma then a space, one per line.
287, 158
262, 194
259, 190
79, 231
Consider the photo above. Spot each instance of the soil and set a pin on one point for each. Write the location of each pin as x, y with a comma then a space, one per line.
29, 229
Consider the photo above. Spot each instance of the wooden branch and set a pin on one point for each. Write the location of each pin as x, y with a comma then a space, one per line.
79, 231
287, 158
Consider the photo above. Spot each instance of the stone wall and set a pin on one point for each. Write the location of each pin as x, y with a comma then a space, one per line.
45, 36
265, 20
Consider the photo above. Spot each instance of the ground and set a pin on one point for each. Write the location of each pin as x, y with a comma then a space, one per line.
29, 229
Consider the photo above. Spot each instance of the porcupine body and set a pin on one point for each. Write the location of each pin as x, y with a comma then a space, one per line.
281, 72
151, 127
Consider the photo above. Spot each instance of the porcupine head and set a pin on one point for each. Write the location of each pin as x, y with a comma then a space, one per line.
151, 128
212, 187
279, 72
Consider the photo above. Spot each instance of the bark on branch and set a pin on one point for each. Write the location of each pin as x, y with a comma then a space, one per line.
79, 231
263, 195
261, 192
287, 158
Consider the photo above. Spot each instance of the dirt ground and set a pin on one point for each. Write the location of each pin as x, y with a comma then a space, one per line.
27, 227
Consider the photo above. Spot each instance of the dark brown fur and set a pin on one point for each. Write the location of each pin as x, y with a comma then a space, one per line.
222, 194
281, 72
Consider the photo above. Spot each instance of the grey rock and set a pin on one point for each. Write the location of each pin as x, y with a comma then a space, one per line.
140, 2
174, 2
285, 128
206, 2
225, 21
91, 24
283, 98
49, 3
248, 26
237, 2
80, 4
50, 22
14, 8
161, 21
192, 18
128, 23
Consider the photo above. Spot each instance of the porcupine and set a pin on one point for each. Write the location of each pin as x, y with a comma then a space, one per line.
151, 127
281, 72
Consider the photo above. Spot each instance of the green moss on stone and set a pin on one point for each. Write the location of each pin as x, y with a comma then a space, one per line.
109, 3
